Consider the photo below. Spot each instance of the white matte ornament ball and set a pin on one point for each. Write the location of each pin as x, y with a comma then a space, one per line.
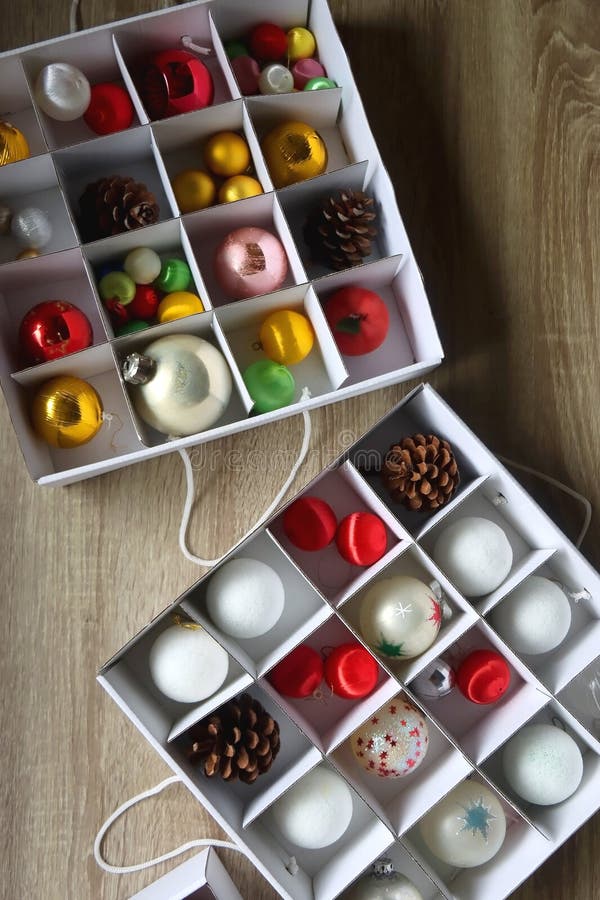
542, 764
187, 664
393, 742
62, 91
467, 827
276, 79
534, 618
245, 598
400, 617
142, 265
31, 227
475, 554
316, 811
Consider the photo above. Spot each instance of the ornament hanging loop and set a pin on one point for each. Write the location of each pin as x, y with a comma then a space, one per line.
189, 44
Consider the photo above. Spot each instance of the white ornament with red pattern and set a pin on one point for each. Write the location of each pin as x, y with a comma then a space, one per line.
393, 742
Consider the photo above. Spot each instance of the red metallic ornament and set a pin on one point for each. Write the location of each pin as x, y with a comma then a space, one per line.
145, 302
268, 42
110, 109
361, 538
299, 674
118, 313
175, 82
310, 523
483, 676
351, 671
53, 329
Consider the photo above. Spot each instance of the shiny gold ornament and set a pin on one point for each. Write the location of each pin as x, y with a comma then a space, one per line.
13, 144
194, 190
300, 44
66, 412
238, 188
227, 154
287, 337
178, 305
294, 151
29, 253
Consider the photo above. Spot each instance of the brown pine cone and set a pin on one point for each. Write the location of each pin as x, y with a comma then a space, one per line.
114, 205
421, 472
239, 740
340, 233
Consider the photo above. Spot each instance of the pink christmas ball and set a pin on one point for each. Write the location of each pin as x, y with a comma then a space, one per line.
304, 70
249, 262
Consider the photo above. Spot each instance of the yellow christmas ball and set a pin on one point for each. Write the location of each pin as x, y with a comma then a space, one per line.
227, 154
194, 190
294, 151
178, 305
66, 412
238, 188
300, 44
13, 144
287, 337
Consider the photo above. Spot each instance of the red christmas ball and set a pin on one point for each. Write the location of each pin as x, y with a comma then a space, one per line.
53, 329
351, 671
309, 523
483, 676
175, 82
110, 109
361, 538
299, 674
268, 42
117, 312
359, 320
145, 302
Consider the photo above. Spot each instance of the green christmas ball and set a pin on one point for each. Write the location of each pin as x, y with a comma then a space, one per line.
270, 385
233, 49
174, 276
117, 286
132, 327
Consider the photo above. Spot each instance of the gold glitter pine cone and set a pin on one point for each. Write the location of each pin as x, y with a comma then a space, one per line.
115, 205
340, 233
239, 740
421, 472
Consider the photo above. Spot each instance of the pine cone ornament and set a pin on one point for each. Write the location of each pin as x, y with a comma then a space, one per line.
239, 740
340, 233
114, 205
421, 472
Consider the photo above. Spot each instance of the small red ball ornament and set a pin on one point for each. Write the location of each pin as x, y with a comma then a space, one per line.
483, 676
359, 320
53, 329
268, 42
110, 109
145, 302
361, 538
117, 312
299, 674
175, 82
351, 671
310, 523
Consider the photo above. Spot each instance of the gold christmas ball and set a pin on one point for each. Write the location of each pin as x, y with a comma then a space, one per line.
287, 337
13, 144
178, 305
66, 412
238, 187
294, 151
29, 253
193, 190
300, 44
227, 154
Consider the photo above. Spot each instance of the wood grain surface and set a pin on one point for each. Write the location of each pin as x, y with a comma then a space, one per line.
487, 113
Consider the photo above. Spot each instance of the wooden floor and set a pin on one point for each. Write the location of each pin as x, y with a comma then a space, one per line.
487, 113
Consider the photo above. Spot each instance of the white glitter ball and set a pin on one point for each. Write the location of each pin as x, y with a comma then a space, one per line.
542, 764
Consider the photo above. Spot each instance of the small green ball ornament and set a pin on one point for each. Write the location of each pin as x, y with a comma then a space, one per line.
320, 83
132, 327
117, 286
174, 276
233, 49
270, 385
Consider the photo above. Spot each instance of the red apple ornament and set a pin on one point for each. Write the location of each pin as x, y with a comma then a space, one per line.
359, 320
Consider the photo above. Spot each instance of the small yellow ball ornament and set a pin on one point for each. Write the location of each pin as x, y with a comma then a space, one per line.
294, 151
178, 305
13, 144
238, 187
66, 412
194, 190
287, 337
227, 154
300, 44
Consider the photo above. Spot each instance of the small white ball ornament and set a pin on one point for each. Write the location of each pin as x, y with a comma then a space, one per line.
245, 598
142, 265
275, 79
475, 554
534, 618
400, 617
542, 764
467, 827
31, 227
62, 91
187, 664
316, 811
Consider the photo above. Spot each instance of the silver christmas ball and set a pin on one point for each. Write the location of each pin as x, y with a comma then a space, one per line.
435, 681
62, 92
31, 227
383, 882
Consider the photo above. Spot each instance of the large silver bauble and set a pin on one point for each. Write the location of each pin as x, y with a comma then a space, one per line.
31, 227
383, 883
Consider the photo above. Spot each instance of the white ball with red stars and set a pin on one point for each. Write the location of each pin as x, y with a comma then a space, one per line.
393, 742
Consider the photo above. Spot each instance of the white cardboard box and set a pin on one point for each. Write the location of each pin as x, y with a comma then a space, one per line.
321, 609
203, 877
67, 156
